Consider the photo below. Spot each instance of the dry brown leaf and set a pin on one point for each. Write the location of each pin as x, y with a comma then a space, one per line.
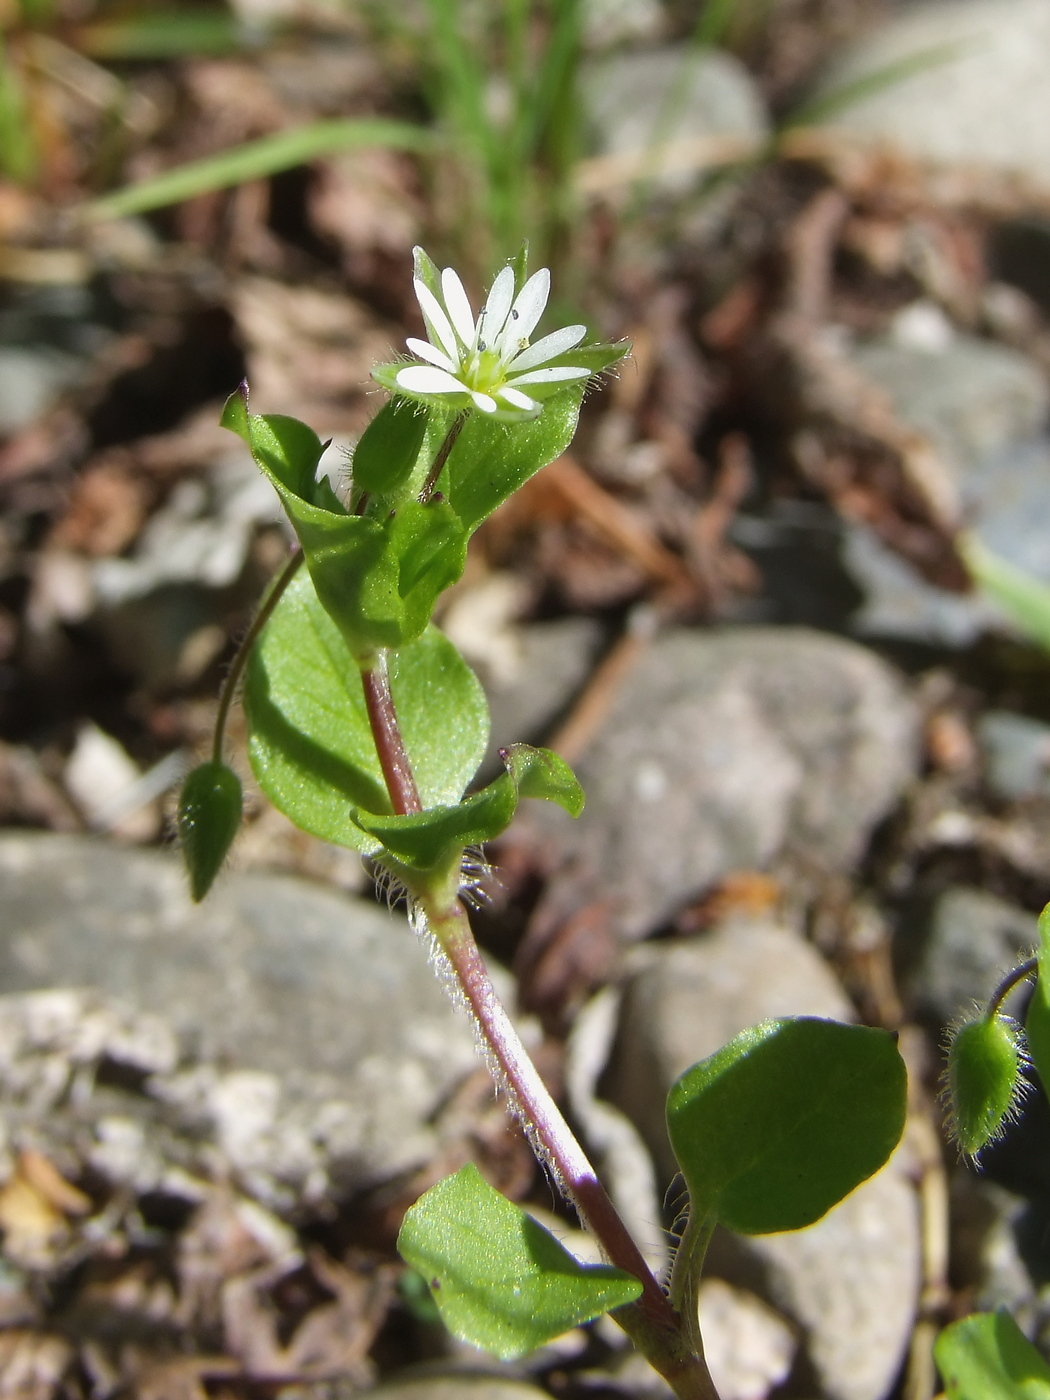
35, 1203
106, 510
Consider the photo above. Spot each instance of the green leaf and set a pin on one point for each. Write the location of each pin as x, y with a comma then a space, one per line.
256, 160
541, 773
389, 449
500, 1280
310, 742
428, 840
783, 1122
987, 1357
377, 577
984, 1079
209, 815
162, 34
1024, 598
425, 840
1037, 1019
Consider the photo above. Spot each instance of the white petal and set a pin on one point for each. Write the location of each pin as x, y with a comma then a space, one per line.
516, 399
500, 296
457, 306
549, 376
421, 379
483, 402
437, 322
526, 311
546, 349
426, 351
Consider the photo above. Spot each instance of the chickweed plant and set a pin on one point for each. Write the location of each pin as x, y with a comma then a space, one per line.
366, 728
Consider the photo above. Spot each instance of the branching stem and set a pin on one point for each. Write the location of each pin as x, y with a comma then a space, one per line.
443, 451
240, 660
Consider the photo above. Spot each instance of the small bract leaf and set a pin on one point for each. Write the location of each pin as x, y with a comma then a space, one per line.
543, 774
310, 743
500, 1280
783, 1122
1037, 1019
428, 839
389, 448
207, 820
988, 1357
984, 1079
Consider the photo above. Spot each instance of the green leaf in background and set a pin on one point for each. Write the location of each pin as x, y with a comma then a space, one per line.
311, 745
1037, 1018
783, 1122
1024, 598
988, 1357
984, 1079
257, 160
378, 577
209, 815
543, 774
192, 32
500, 1280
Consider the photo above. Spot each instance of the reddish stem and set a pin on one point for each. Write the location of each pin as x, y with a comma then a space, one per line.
397, 771
541, 1115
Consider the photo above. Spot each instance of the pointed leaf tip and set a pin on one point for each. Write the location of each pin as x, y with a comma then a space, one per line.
208, 817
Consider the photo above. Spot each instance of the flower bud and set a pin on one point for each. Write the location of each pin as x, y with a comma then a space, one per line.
984, 1079
208, 817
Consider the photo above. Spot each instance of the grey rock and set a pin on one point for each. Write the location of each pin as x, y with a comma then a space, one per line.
610, 22
32, 378
1016, 751
850, 1282
981, 406
554, 661
313, 1042
711, 95
724, 750
972, 398
973, 939
982, 100
693, 995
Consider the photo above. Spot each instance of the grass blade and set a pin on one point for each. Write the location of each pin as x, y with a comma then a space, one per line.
163, 34
1024, 598
825, 107
255, 160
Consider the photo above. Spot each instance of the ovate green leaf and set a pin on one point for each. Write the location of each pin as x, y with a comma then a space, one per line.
988, 1357
541, 773
500, 1280
310, 742
783, 1122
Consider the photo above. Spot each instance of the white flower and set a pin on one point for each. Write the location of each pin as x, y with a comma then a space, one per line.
489, 363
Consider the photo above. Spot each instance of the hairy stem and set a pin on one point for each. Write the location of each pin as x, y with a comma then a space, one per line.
438, 465
651, 1322
393, 759
240, 660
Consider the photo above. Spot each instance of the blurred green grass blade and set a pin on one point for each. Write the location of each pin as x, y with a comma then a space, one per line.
18, 154
1024, 598
256, 160
713, 22
162, 34
826, 106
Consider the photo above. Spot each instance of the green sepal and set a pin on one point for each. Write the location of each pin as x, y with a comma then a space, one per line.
783, 1122
544, 774
429, 840
987, 1357
520, 265
388, 449
377, 578
208, 817
984, 1079
1037, 1019
502, 1282
426, 269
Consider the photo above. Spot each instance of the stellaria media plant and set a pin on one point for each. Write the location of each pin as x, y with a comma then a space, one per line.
366, 728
